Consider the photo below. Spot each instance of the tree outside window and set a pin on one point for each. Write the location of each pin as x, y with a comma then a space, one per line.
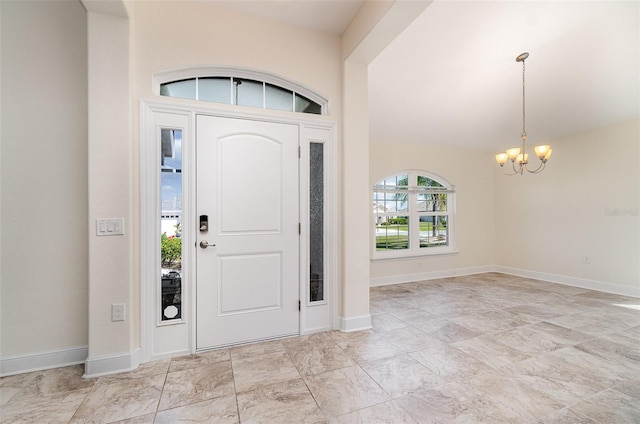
412, 215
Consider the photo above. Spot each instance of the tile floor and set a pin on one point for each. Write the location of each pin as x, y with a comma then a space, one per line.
487, 348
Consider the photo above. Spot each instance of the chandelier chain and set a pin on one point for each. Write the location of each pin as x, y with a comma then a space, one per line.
524, 133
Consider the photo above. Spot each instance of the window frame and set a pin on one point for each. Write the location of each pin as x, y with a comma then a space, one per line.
266, 78
414, 249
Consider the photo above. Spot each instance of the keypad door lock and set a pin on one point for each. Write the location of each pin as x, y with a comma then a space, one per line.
204, 223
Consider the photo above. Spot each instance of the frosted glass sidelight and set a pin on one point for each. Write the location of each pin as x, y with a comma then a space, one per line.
316, 222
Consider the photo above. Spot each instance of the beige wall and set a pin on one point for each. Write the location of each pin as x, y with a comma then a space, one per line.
169, 35
111, 193
44, 177
585, 203
471, 172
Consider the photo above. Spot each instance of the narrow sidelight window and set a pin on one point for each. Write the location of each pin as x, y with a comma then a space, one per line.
316, 222
171, 224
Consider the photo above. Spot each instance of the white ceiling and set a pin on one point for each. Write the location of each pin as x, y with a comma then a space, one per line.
332, 16
451, 77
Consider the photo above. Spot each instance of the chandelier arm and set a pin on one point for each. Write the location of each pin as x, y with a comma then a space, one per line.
510, 173
540, 168
537, 170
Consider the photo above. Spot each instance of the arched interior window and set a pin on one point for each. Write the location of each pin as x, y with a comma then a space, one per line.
413, 215
242, 92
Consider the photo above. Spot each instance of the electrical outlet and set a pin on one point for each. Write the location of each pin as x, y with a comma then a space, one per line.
117, 312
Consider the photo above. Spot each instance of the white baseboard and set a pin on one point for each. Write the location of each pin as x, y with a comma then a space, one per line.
432, 275
42, 361
552, 278
169, 355
362, 322
96, 367
571, 281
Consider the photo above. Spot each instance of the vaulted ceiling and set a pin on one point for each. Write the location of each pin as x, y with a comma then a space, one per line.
451, 77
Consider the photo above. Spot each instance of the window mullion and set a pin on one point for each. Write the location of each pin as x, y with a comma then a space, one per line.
414, 229
415, 219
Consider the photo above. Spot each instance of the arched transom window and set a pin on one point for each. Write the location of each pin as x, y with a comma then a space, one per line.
413, 215
243, 88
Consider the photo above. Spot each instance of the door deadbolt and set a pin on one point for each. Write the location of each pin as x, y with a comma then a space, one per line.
204, 223
204, 244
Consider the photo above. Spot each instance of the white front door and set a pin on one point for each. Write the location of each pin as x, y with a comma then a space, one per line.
247, 280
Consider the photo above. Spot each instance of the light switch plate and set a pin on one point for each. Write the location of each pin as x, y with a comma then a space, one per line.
110, 227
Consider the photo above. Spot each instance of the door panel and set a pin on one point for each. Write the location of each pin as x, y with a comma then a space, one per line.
236, 280
247, 280
243, 193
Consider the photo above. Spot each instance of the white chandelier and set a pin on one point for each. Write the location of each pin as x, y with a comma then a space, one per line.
517, 155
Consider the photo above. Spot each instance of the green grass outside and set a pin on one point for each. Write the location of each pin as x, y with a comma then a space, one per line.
400, 241
424, 226
392, 242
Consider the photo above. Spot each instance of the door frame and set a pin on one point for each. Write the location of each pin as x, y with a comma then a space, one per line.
162, 340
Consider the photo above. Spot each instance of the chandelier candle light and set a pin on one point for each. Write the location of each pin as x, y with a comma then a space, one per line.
518, 155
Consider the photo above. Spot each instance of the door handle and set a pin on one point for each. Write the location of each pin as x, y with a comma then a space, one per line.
204, 244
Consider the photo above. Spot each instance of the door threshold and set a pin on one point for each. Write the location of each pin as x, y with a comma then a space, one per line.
247, 343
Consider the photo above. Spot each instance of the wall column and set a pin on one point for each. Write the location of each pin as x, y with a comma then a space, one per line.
354, 311
112, 345
376, 25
